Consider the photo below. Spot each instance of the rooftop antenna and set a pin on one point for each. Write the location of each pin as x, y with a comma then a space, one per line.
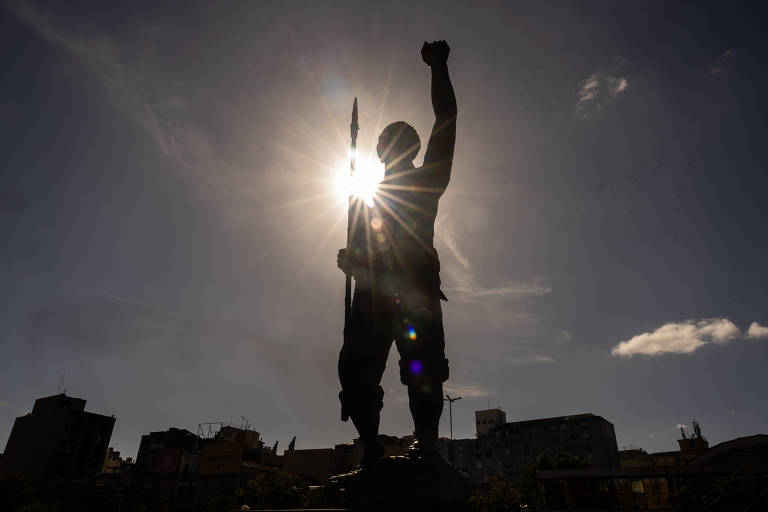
697, 429
61, 384
208, 430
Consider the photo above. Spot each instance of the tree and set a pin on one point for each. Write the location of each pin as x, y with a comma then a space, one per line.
275, 490
528, 487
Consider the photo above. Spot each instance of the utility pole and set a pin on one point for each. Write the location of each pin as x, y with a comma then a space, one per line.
450, 409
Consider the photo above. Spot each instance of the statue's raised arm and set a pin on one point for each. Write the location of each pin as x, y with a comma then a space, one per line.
438, 158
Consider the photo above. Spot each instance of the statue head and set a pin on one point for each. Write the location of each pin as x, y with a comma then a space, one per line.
398, 145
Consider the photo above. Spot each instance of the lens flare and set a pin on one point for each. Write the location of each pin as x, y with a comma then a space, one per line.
416, 367
412, 333
363, 184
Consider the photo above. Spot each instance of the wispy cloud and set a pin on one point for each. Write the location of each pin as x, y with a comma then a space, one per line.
532, 359
685, 337
514, 335
467, 390
465, 287
596, 90
722, 62
142, 99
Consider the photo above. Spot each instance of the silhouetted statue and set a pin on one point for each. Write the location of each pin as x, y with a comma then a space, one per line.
396, 271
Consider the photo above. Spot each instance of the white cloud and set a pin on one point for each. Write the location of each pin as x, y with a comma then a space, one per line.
679, 338
596, 90
757, 331
720, 330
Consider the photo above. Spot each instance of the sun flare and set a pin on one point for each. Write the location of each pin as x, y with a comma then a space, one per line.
369, 172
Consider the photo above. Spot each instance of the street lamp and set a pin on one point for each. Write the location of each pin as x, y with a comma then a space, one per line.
450, 409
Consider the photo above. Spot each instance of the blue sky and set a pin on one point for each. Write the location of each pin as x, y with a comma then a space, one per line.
170, 218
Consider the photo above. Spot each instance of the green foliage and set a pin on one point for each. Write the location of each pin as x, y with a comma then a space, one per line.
502, 498
18, 495
278, 490
37, 506
528, 487
737, 492
561, 460
216, 504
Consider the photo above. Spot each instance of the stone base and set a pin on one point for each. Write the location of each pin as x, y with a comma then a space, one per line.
403, 484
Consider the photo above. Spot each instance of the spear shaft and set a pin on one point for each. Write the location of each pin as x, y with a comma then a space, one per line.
353, 129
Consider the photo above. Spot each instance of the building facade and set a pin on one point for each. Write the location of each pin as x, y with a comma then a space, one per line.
178, 470
690, 448
505, 451
728, 476
58, 438
487, 420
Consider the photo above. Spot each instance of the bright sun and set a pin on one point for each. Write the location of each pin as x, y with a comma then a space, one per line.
368, 174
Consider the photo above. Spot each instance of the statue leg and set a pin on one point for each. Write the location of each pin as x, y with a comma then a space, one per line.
423, 366
362, 361
366, 421
426, 404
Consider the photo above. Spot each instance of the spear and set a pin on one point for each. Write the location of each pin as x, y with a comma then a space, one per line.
353, 129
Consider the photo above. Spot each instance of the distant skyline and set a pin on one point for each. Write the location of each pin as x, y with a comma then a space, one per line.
170, 213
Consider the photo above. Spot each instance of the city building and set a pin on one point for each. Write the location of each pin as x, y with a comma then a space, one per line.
178, 470
58, 438
164, 463
505, 451
113, 463
690, 447
318, 464
739, 462
487, 420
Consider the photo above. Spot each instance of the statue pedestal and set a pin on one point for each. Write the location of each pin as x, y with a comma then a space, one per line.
403, 484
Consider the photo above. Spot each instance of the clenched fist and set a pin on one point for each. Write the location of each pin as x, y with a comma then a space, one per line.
435, 53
